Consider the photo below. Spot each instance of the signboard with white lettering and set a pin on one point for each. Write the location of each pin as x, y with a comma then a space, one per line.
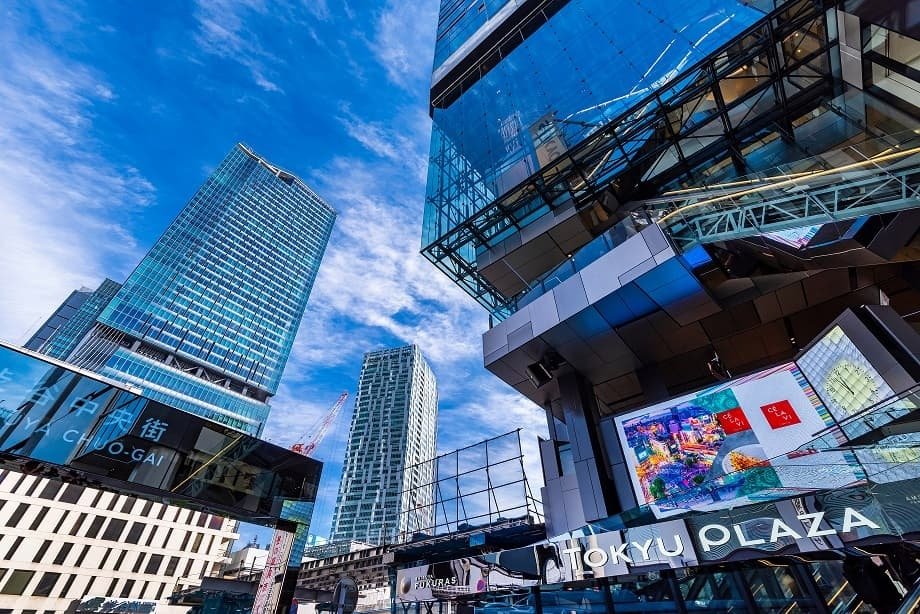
99, 433
821, 522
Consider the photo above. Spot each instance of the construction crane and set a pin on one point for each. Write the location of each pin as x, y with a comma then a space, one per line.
319, 432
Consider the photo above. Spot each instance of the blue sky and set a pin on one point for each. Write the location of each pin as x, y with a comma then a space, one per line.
111, 117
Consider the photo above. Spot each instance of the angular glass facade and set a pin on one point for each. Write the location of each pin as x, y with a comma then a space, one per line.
209, 316
507, 117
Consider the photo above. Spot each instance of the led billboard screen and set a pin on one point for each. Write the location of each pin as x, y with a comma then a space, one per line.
725, 435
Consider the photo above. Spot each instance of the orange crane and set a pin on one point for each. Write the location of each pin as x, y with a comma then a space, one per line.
319, 432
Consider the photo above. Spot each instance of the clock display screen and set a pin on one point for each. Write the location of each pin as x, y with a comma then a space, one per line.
842, 376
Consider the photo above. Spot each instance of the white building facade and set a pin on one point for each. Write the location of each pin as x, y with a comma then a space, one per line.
61, 544
386, 492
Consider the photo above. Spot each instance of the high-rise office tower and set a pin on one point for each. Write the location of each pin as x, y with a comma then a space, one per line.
59, 318
61, 341
394, 428
207, 319
205, 323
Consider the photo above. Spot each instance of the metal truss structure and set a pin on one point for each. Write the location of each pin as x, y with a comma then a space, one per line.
482, 486
752, 88
848, 194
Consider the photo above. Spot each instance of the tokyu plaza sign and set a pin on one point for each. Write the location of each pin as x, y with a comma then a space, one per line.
823, 521
712, 535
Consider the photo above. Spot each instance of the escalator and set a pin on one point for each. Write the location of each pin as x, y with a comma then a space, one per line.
875, 176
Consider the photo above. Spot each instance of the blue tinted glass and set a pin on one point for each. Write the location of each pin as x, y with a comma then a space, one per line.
590, 61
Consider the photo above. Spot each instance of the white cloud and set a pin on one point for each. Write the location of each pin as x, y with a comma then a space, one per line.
404, 39
62, 203
227, 29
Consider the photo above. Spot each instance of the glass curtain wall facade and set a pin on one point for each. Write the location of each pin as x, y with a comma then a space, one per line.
66, 338
542, 88
394, 427
59, 318
660, 261
207, 319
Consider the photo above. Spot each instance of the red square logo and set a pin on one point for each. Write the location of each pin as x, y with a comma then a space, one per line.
780, 414
733, 421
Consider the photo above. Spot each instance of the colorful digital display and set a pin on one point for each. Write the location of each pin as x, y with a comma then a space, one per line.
724, 437
843, 377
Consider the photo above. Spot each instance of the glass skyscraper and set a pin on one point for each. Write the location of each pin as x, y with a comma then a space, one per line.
61, 316
62, 341
385, 492
207, 319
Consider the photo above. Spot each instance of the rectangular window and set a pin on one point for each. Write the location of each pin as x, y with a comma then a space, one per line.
126, 589
17, 514
22, 477
105, 557
153, 531
14, 548
114, 529
134, 533
78, 524
71, 494
46, 584
120, 560
128, 506
33, 486
197, 543
138, 562
50, 490
168, 535
38, 519
41, 551
60, 523
112, 586
96, 499
153, 565
145, 511
67, 585
171, 566
188, 568
62, 553
82, 556
94, 526
17, 582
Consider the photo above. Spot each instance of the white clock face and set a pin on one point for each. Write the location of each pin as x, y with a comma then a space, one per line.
844, 379
852, 386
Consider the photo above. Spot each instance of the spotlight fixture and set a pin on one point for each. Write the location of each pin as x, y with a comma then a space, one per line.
538, 374
717, 369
